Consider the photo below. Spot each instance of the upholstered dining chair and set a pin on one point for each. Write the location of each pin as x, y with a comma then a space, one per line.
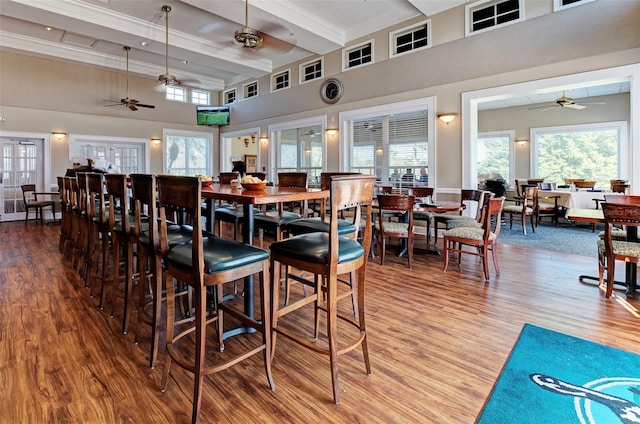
611, 250
402, 229
468, 198
423, 195
208, 261
326, 255
526, 205
481, 240
31, 202
585, 184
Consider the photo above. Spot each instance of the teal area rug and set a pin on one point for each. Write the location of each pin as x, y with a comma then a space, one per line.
553, 378
578, 240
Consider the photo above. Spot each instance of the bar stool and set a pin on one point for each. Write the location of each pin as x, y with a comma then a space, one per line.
99, 235
327, 255
209, 261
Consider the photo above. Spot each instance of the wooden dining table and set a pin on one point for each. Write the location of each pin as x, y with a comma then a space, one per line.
249, 199
596, 216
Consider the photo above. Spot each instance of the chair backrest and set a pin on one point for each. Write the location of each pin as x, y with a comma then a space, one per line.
83, 193
143, 196
572, 180
619, 214
497, 187
584, 184
530, 196
226, 177
96, 190
622, 199
535, 181
325, 184
547, 186
351, 191
425, 193
293, 179
619, 188
118, 199
380, 189
491, 220
260, 175
183, 193
29, 193
612, 182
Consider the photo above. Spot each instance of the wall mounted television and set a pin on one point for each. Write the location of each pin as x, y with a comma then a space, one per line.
213, 115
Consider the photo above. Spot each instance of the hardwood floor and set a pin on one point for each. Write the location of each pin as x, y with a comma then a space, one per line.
437, 343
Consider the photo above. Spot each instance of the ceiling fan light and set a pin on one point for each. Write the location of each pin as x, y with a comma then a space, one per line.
248, 37
167, 79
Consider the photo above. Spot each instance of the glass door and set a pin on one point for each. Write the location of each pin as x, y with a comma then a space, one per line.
21, 164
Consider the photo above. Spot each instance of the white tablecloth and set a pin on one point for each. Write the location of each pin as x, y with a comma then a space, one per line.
572, 199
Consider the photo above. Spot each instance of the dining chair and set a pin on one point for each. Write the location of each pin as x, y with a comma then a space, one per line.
481, 240
570, 181
585, 184
326, 256
422, 195
611, 250
468, 198
99, 235
208, 261
31, 202
526, 205
403, 229
65, 213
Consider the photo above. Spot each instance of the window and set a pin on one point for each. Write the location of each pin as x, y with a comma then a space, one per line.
229, 96
565, 4
177, 94
300, 149
280, 80
250, 89
393, 146
487, 15
311, 71
409, 39
357, 56
495, 154
593, 152
187, 153
127, 155
199, 97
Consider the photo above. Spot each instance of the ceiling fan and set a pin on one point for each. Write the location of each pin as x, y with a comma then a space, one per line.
248, 36
564, 101
167, 78
128, 102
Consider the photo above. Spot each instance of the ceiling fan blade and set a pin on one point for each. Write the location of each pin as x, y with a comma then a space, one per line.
547, 108
575, 106
147, 106
541, 107
132, 106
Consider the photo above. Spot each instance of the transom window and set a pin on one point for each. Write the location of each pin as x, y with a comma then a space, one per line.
280, 80
199, 97
565, 4
410, 39
229, 96
487, 15
177, 94
250, 90
357, 56
311, 71
595, 152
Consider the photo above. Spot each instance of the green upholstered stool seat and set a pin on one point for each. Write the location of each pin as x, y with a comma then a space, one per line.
272, 219
314, 225
176, 234
314, 248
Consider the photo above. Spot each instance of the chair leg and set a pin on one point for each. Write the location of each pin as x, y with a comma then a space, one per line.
446, 254
171, 314
611, 273
332, 332
495, 259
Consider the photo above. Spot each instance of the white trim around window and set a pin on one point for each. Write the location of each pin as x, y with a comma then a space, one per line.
480, 5
412, 29
315, 62
361, 46
559, 4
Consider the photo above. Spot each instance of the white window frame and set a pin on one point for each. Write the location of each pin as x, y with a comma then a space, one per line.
107, 140
225, 96
470, 8
393, 37
245, 88
274, 77
557, 4
174, 90
426, 103
511, 134
302, 67
197, 94
623, 142
347, 50
167, 132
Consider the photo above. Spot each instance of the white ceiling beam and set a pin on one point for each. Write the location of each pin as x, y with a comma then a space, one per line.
432, 7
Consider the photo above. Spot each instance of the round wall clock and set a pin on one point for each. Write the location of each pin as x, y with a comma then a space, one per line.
331, 90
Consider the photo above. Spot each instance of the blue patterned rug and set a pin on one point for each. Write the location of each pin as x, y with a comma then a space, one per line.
568, 238
553, 378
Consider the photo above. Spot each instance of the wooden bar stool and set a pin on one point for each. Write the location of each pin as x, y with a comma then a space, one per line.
327, 255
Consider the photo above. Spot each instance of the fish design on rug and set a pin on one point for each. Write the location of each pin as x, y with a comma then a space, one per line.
627, 411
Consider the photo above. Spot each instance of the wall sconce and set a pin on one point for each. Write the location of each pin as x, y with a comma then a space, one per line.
264, 140
59, 135
331, 132
156, 141
447, 118
521, 142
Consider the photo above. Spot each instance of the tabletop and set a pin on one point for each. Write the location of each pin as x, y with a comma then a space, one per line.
269, 194
586, 215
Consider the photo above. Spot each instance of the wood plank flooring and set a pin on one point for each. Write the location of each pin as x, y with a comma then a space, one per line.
437, 343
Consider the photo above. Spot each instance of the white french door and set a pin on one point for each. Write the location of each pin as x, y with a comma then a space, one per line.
128, 155
22, 163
